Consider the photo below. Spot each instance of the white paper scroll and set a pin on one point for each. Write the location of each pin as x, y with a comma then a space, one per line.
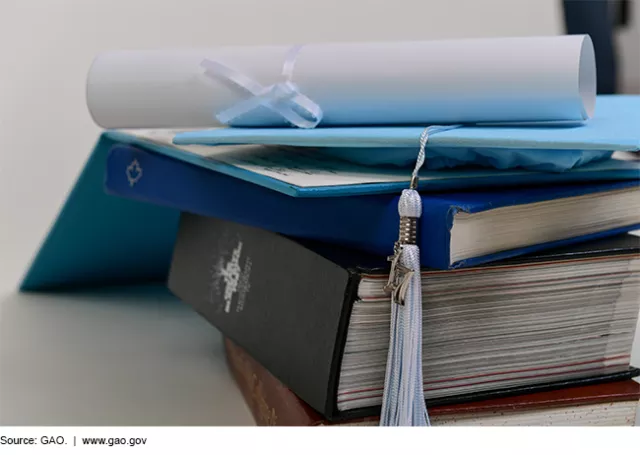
439, 82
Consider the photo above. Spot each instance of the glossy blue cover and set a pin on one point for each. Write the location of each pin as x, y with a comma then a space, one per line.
455, 179
99, 239
369, 223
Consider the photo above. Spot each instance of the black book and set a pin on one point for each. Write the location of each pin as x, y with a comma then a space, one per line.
317, 317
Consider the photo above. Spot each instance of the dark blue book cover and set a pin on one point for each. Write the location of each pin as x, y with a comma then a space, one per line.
368, 223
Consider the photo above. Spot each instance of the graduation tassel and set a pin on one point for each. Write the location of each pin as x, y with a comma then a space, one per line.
403, 401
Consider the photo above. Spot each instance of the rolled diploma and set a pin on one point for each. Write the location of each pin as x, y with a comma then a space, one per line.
527, 79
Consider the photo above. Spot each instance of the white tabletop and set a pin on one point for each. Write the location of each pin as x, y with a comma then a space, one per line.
119, 359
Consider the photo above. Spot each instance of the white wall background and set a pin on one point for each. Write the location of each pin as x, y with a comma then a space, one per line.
46, 47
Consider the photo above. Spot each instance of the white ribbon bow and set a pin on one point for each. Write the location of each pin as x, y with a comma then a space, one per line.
283, 98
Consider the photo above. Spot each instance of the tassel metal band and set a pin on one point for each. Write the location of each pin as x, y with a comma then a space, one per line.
399, 275
408, 231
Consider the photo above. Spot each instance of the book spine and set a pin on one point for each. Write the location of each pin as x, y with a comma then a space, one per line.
281, 302
271, 404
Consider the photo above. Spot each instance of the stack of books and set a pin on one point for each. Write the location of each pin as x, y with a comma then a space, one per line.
530, 296
530, 278
541, 339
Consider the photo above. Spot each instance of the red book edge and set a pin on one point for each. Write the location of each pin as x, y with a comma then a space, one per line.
273, 404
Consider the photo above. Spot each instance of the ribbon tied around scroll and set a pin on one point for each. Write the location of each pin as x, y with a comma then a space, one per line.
283, 98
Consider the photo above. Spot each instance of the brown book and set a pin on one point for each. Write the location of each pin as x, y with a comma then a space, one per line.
609, 404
